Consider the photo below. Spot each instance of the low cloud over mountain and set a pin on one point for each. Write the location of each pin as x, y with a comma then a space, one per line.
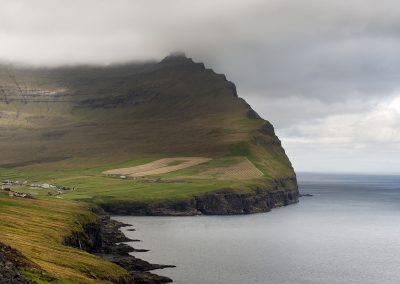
324, 72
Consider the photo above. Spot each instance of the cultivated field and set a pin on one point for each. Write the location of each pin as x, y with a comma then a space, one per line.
235, 168
161, 166
241, 170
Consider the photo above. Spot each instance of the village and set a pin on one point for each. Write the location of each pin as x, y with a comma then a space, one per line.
10, 187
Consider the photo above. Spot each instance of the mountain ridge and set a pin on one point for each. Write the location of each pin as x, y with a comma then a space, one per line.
117, 115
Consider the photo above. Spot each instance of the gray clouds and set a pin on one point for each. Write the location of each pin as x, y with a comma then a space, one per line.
324, 72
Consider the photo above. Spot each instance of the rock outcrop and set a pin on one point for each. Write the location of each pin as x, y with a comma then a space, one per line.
11, 261
15, 268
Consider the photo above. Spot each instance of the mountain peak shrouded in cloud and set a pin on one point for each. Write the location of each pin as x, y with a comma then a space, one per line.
176, 54
176, 57
301, 64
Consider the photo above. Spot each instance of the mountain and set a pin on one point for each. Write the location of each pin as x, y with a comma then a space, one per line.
175, 136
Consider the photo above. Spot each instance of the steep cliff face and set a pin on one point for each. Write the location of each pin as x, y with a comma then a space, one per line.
222, 202
256, 201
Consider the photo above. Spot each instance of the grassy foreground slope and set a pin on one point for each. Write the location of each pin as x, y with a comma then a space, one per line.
37, 228
68, 125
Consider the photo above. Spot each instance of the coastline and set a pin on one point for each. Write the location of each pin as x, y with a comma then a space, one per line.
105, 239
102, 236
223, 202
113, 248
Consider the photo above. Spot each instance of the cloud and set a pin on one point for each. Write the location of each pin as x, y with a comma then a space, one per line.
371, 136
312, 67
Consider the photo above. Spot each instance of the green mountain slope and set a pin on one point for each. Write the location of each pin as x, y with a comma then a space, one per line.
69, 125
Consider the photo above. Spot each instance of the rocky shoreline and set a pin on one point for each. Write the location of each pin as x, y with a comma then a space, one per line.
223, 202
105, 240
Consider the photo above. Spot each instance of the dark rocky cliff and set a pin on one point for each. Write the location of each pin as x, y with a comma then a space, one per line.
224, 202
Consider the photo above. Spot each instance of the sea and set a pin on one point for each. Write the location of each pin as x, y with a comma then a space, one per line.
348, 231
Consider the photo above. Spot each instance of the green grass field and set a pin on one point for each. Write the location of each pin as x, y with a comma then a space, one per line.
94, 187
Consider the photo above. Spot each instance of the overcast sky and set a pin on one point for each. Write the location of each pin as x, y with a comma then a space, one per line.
325, 73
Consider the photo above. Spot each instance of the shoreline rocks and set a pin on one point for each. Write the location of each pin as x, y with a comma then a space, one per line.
105, 240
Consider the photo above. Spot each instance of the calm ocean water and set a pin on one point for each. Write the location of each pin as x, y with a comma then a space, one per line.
347, 232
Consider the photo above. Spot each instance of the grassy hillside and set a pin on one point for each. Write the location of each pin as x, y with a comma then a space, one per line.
36, 228
68, 125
